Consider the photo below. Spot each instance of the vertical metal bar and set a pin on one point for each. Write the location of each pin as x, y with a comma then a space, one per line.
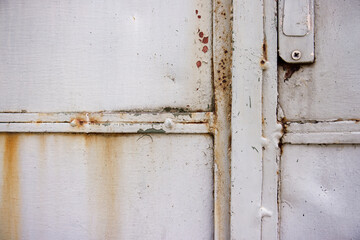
271, 128
222, 52
246, 157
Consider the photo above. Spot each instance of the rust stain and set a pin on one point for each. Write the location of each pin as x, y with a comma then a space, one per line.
198, 64
10, 189
103, 168
264, 47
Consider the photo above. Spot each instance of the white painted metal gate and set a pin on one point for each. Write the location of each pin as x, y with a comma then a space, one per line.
115, 120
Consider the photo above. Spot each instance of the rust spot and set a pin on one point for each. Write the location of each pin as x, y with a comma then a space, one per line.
205, 49
198, 64
196, 11
10, 201
201, 34
205, 40
199, 16
264, 47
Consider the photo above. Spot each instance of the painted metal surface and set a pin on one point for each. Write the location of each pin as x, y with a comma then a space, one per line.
320, 192
327, 89
319, 107
137, 186
255, 129
222, 64
183, 97
201, 122
105, 55
246, 154
338, 132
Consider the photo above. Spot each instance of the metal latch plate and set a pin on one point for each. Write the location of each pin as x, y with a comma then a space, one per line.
296, 31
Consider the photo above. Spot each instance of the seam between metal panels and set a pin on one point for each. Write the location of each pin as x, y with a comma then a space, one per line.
107, 123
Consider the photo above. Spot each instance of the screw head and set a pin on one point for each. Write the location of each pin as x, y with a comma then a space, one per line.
296, 55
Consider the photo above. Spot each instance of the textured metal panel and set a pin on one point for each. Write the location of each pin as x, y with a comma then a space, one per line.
329, 88
320, 192
74, 186
105, 55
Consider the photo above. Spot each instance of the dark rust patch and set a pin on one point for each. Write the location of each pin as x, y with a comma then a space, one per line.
289, 70
264, 47
10, 189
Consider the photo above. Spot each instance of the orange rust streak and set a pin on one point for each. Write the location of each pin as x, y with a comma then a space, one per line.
103, 165
10, 190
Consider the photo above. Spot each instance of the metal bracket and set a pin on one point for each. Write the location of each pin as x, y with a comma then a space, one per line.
296, 31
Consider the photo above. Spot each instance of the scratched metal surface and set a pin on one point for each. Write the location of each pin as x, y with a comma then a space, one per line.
105, 55
79, 186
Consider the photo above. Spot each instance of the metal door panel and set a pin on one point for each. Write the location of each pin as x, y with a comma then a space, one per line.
91, 186
320, 191
105, 55
327, 89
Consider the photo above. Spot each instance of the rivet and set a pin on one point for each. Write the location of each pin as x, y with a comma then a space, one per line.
169, 123
74, 123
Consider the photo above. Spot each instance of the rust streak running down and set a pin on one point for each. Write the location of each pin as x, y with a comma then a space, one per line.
10, 188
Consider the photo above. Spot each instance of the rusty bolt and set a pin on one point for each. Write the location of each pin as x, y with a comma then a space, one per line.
296, 55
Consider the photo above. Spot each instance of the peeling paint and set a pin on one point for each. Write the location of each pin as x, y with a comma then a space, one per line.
151, 130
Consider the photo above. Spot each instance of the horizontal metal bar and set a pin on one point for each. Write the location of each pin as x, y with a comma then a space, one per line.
107, 122
340, 132
106, 128
129, 117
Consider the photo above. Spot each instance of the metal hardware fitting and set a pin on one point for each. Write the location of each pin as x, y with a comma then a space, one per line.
296, 31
